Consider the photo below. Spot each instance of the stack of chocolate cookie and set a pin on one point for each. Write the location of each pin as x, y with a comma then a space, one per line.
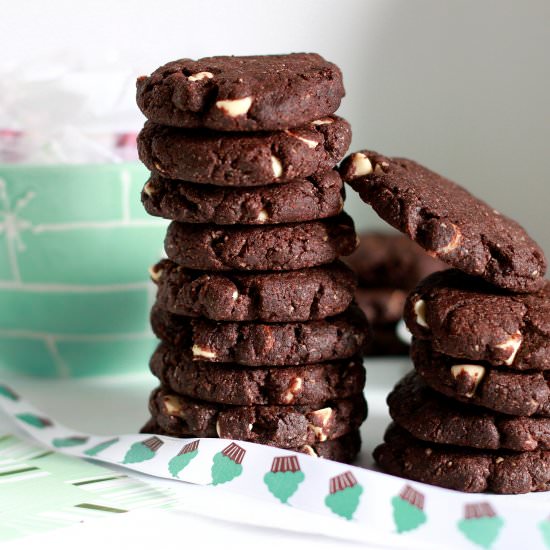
475, 413
260, 338
388, 267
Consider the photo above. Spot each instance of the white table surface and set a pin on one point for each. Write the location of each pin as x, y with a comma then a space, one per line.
115, 405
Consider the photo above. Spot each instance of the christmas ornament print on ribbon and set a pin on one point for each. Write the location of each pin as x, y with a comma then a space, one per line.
403, 512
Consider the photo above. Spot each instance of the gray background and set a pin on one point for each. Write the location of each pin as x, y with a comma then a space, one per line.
462, 86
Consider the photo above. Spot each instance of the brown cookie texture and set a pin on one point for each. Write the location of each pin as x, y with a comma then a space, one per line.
317, 197
447, 221
283, 426
234, 385
301, 295
382, 306
501, 390
229, 93
464, 317
342, 449
391, 260
259, 344
242, 160
434, 418
463, 469
252, 248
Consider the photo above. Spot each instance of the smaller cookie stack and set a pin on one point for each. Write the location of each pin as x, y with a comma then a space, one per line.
388, 267
475, 414
260, 339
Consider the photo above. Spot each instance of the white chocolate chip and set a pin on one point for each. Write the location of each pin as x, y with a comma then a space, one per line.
218, 431
148, 189
200, 76
235, 294
234, 107
475, 372
379, 168
322, 121
262, 216
311, 143
202, 352
250, 427
276, 166
308, 450
294, 387
172, 405
513, 343
158, 167
321, 418
428, 451
453, 243
499, 460
155, 274
420, 312
361, 165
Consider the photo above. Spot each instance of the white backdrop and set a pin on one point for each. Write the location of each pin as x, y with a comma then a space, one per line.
463, 87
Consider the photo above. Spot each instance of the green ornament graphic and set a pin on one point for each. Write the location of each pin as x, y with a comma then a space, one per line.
69, 441
344, 495
92, 451
7, 393
284, 477
33, 420
480, 525
227, 464
143, 450
183, 458
408, 510
544, 527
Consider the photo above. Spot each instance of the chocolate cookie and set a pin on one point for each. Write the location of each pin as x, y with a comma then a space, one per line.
261, 92
432, 417
391, 260
502, 390
249, 248
288, 427
300, 200
447, 220
257, 344
235, 385
238, 159
464, 317
342, 449
382, 306
302, 295
462, 469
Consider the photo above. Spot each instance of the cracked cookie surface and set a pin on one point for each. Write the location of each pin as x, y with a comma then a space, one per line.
258, 248
264, 92
301, 295
259, 344
242, 160
447, 221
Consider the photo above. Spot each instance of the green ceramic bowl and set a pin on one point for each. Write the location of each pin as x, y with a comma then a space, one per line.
75, 247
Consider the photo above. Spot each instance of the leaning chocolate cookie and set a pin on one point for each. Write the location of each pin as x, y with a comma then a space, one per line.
435, 418
447, 221
502, 390
229, 384
301, 295
259, 248
463, 469
287, 427
342, 449
319, 196
259, 344
261, 92
464, 317
242, 160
